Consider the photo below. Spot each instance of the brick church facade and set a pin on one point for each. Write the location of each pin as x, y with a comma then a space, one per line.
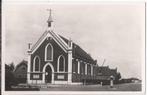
57, 60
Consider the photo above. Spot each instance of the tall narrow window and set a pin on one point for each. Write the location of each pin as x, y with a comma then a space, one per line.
61, 63
74, 66
36, 64
82, 67
49, 52
91, 69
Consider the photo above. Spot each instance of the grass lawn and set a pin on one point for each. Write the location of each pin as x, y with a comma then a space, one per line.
118, 87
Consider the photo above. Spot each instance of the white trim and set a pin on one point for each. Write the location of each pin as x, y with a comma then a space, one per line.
78, 67
69, 67
74, 72
49, 44
43, 76
28, 68
43, 37
35, 82
59, 63
76, 83
34, 64
60, 40
61, 72
92, 70
85, 69
66, 82
60, 82
38, 43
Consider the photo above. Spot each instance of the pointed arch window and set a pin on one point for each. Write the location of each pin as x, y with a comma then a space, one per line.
61, 64
36, 64
49, 52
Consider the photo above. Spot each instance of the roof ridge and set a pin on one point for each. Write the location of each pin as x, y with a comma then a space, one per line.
66, 40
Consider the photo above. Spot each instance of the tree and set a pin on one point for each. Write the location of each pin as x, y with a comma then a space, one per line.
10, 80
11, 66
118, 76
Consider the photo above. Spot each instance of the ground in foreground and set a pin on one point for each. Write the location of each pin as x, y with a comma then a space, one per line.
118, 87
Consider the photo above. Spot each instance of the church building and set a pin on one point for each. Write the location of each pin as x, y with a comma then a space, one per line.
54, 59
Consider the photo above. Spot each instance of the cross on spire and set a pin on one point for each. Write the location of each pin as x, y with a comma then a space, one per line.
49, 21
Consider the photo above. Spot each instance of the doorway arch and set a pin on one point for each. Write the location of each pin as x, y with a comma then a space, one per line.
48, 73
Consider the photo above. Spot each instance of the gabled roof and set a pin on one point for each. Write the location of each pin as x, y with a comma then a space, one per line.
78, 51
39, 40
23, 62
55, 37
63, 42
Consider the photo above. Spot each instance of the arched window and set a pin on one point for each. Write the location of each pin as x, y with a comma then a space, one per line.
61, 64
36, 63
49, 52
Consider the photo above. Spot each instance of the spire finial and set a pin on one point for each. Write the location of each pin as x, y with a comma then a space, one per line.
49, 21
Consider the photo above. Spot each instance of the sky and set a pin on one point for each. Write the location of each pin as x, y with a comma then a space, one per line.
110, 31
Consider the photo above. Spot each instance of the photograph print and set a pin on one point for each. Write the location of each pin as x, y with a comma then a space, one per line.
74, 47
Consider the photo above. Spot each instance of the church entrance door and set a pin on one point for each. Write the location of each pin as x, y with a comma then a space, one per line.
48, 74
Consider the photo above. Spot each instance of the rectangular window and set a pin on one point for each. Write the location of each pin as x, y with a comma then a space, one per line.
35, 76
60, 76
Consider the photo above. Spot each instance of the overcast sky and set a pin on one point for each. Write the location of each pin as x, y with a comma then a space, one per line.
114, 32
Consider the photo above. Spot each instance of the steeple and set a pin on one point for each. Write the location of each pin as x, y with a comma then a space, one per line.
49, 21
